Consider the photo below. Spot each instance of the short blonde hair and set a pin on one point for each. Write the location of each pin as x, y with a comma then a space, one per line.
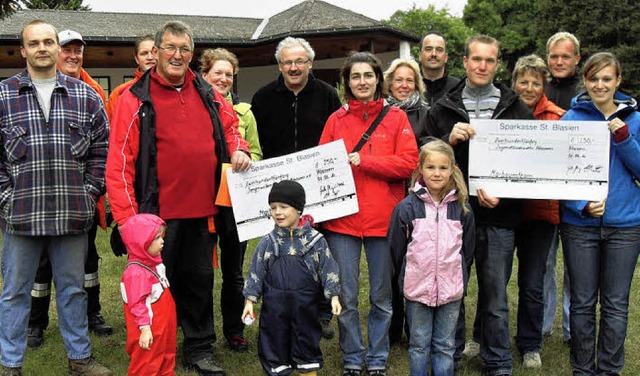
390, 72
530, 64
562, 36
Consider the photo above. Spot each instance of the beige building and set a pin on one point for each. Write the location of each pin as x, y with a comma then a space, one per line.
332, 31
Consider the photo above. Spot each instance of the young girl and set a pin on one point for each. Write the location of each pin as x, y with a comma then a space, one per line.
431, 235
149, 309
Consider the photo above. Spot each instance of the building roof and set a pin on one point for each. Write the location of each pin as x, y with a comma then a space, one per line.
332, 31
307, 18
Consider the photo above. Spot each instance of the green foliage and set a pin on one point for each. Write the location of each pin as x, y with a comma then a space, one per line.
600, 26
420, 21
55, 4
509, 21
7, 7
50, 359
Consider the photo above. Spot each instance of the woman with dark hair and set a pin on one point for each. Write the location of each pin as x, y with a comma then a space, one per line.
601, 239
380, 169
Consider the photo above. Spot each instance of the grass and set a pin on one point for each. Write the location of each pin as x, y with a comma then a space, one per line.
51, 358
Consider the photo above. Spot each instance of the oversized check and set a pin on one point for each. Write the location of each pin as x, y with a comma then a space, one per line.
323, 171
540, 159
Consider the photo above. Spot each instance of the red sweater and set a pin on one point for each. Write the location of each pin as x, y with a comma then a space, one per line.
186, 151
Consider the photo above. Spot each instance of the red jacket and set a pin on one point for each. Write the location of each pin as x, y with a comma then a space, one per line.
544, 210
127, 144
386, 161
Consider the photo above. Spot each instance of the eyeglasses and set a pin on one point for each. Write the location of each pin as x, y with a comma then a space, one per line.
172, 50
297, 63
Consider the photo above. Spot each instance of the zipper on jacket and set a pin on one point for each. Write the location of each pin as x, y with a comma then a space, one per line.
437, 252
370, 149
294, 106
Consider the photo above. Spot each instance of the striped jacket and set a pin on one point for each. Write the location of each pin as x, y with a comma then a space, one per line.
51, 172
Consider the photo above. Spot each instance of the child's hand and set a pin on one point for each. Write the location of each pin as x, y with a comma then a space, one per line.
146, 338
248, 310
336, 308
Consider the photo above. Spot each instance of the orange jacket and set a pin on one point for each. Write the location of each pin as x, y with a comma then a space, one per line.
115, 94
100, 207
545, 210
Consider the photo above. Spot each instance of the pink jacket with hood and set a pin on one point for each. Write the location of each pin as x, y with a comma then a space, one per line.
139, 287
432, 243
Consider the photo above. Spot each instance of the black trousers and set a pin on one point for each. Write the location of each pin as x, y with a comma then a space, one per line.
41, 292
188, 257
232, 253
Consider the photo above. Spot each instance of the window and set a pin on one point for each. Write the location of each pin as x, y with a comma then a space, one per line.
105, 83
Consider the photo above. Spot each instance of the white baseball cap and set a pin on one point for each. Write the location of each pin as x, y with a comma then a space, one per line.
67, 36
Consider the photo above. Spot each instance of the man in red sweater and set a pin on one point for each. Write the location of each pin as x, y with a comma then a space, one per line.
170, 133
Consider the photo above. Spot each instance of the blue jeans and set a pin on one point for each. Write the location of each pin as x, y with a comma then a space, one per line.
20, 259
534, 238
551, 294
346, 250
432, 333
601, 262
494, 260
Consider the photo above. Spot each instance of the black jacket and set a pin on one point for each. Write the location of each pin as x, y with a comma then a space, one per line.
434, 90
287, 122
417, 115
449, 111
561, 90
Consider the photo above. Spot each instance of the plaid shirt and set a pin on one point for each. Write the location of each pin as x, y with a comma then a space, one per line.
51, 173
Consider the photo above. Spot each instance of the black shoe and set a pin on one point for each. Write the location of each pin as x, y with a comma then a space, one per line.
35, 337
327, 330
98, 326
206, 367
378, 372
238, 344
351, 372
11, 371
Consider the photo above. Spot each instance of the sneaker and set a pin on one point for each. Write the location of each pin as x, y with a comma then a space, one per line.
471, 349
351, 372
378, 372
88, 367
238, 344
206, 367
327, 329
35, 337
531, 360
11, 371
98, 326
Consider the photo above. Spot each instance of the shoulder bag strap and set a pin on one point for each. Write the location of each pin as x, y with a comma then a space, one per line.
367, 135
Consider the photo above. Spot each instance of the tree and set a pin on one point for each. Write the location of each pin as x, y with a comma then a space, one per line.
600, 26
55, 4
512, 22
420, 21
7, 7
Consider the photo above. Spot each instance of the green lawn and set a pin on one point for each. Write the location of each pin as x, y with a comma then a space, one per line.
51, 360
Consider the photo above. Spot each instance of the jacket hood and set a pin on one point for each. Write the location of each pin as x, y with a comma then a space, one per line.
583, 101
420, 189
137, 234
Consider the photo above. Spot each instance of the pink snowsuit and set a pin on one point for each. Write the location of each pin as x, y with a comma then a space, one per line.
147, 300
